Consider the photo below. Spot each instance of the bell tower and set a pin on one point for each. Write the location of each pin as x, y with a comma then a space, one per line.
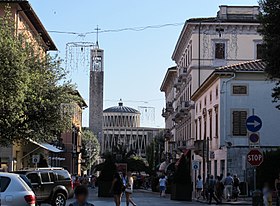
96, 92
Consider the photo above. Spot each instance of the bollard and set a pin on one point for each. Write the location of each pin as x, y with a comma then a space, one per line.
257, 199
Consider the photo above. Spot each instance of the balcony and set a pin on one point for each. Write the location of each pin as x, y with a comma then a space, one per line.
183, 73
167, 135
169, 107
178, 83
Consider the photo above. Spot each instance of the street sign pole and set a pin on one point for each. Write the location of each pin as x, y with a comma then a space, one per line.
255, 179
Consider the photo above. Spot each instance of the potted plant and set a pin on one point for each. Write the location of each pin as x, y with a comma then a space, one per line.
182, 186
106, 177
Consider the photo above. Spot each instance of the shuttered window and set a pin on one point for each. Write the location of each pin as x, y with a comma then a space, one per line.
239, 123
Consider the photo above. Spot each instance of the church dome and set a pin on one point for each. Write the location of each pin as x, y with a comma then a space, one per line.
121, 109
121, 117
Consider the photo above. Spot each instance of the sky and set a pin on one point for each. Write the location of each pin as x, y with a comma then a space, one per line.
135, 62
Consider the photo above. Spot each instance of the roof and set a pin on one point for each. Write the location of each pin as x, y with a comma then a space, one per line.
121, 109
34, 19
82, 102
254, 66
249, 66
170, 71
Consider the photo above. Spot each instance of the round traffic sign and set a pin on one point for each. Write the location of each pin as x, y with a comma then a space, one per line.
255, 157
254, 138
253, 123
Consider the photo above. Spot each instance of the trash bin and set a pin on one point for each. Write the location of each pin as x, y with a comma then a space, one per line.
257, 199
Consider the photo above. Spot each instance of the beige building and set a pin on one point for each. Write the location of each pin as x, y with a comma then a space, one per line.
28, 24
204, 44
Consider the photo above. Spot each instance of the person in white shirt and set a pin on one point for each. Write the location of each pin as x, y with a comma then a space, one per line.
162, 186
199, 186
129, 189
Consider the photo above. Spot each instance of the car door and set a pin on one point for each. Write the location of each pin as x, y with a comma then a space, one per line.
47, 179
35, 181
5, 199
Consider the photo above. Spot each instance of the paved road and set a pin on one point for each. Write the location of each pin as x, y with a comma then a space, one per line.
140, 198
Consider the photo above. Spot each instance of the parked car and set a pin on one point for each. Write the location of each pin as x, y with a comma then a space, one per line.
51, 185
14, 191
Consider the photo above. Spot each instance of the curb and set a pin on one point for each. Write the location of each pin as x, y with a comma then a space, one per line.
226, 203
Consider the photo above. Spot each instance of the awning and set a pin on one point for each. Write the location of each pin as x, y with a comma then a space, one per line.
47, 146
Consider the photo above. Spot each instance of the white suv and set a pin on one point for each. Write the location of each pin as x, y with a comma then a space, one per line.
14, 191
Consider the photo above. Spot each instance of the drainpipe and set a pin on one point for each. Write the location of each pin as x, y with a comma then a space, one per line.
224, 91
199, 34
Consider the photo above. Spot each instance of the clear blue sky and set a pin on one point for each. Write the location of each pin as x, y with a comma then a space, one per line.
135, 62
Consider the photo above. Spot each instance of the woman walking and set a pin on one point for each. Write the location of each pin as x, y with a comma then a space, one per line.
199, 186
129, 189
117, 189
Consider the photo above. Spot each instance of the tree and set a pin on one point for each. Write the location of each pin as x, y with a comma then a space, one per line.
90, 149
32, 86
155, 150
270, 30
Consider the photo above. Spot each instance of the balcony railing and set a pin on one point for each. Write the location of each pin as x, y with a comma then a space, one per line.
168, 134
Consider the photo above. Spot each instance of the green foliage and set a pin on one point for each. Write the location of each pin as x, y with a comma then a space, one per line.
154, 151
108, 169
270, 30
90, 149
32, 88
270, 163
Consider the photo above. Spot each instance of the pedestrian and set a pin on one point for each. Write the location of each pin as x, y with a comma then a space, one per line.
267, 196
205, 188
162, 186
277, 189
235, 187
199, 186
228, 186
211, 190
81, 195
129, 189
117, 188
219, 189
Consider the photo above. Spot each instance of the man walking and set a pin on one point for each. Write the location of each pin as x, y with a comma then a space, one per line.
228, 186
211, 190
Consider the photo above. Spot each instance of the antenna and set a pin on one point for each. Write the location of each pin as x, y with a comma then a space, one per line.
97, 29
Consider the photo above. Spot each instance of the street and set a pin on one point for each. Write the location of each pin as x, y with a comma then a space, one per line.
141, 198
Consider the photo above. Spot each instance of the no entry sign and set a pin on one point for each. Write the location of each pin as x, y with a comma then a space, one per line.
255, 157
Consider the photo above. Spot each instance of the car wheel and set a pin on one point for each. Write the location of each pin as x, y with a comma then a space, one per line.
59, 200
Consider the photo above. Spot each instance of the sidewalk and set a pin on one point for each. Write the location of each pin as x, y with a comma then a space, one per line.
242, 201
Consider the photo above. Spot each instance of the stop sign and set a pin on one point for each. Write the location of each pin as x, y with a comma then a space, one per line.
255, 157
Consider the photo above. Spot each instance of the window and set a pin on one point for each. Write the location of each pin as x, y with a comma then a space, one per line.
45, 177
210, 96
220, 50
33, 178
239, 123
215, 168
216, 122
210, 125
239, 90
205, 101
217, 92
4, 183
260, 51
222, 167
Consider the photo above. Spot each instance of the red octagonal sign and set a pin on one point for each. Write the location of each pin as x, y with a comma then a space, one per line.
255, 157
